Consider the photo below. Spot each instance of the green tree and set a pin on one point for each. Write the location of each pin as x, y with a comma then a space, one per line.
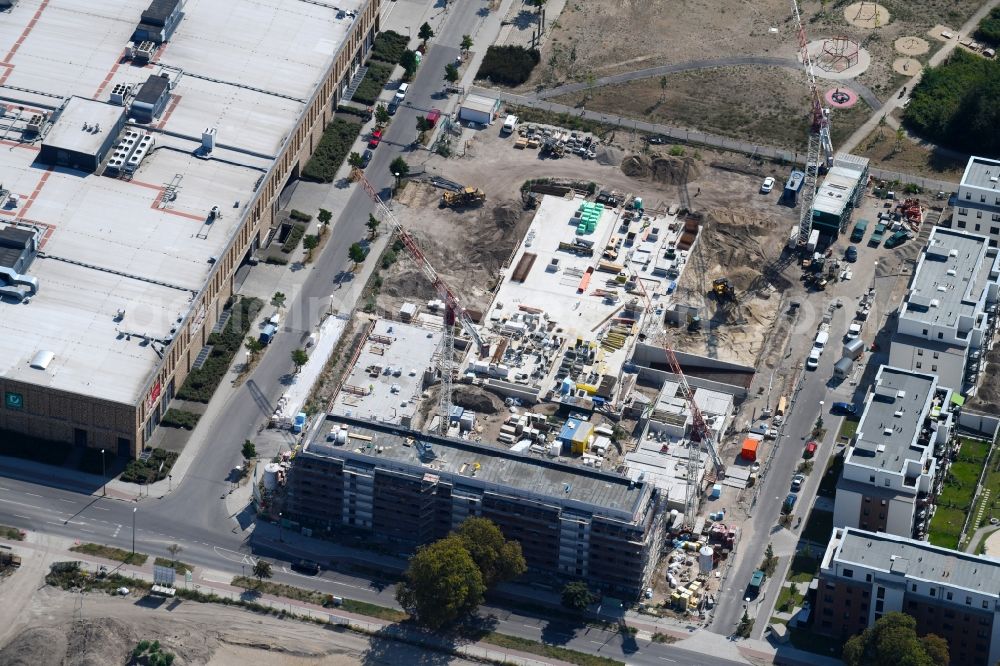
408, 61
372, 224
278, 299
893, 640
425, 33
466, 42
254, 346
498, 559
577, 596
262, 570
249, 450
451, 72
381, 114
423, 124
443, 584
354, 159
399, 168
745, 626
357, 253
299, 358
310, 243
324, 216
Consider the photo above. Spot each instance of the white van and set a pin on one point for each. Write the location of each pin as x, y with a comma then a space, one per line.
821, 339
813, 361
400, 93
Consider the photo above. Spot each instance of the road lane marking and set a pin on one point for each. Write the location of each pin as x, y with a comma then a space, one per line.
20, 516
88, 531
33, 494
672, 661
101, 508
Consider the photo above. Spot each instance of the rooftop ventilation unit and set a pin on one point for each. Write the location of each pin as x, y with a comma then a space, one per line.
120, 93
144, 52
208, 140
951, 272
41, 360
35, 123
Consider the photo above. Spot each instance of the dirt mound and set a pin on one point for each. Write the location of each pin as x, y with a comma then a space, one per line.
479, 401
506, 215
99, 642
609, 156
667, 170
42, 645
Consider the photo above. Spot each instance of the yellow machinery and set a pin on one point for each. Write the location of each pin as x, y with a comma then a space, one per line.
467, 196
723, 289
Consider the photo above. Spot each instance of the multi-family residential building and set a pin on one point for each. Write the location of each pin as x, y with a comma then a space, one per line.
890, 468
949, 313
117, 260
952, 594
408, 488
977, 208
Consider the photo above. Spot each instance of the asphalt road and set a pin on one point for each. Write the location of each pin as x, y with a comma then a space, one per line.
763, 527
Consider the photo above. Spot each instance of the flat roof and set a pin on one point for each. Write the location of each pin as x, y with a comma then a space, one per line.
919, 560
836, 190
397, 355
906, 351
478, 465
83, 125
982, 173
245, 68
950, 278
895, 412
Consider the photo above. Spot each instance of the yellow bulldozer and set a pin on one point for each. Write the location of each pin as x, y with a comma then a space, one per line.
467, 196
723, 289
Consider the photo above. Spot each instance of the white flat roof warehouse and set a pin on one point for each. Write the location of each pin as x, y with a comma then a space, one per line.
244, 67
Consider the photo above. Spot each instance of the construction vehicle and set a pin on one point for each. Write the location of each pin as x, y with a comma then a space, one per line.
454, 311
467, 196
723, 289
819, 135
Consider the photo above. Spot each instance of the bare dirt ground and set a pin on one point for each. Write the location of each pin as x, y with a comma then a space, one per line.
58, 627
910, 156
772, 110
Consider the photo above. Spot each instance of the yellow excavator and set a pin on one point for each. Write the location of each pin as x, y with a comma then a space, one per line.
467, 196
723, 289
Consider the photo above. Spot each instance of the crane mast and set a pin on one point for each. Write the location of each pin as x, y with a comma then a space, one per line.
454, 312
819, 135
701, 435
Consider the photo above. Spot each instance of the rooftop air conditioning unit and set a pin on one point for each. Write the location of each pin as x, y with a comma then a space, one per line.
120, 93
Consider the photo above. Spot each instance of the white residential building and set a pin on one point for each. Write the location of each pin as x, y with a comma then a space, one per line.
978, 206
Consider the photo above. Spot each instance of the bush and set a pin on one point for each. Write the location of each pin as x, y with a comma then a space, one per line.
178, 418
989, 28
957, 105
150, 471
508, 65
353, 111
338, 137
202, 382
299, 216
278, 261
293, 238
371, 86
389, 46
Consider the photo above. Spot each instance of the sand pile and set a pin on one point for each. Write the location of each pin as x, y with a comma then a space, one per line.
667, 170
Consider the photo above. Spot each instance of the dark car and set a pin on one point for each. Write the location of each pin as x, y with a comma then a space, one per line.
366, 157
306, 567
789, 503
851, 254
844, 408
393, 107
657, 140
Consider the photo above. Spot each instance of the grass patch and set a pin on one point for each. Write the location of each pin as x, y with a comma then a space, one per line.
111, 553
180, 567
848, 427
946, 527
828, 484
178, 418
659, 637
150, 471
338, 137
318, 598
804, 567
69, 576
11, 533
810, 642
545, 650
389, 46
778, 620
201, 383
818, 527
955, 502
373, 84
786, 601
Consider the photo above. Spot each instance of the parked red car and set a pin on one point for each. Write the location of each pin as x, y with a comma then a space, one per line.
810, 450
376, 139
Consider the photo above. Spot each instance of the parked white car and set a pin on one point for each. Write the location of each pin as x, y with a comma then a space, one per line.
767, 185
854, 331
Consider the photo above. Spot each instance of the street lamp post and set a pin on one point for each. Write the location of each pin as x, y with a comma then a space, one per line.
134, 510
279, 527
170, 482
104, 476
397, 179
